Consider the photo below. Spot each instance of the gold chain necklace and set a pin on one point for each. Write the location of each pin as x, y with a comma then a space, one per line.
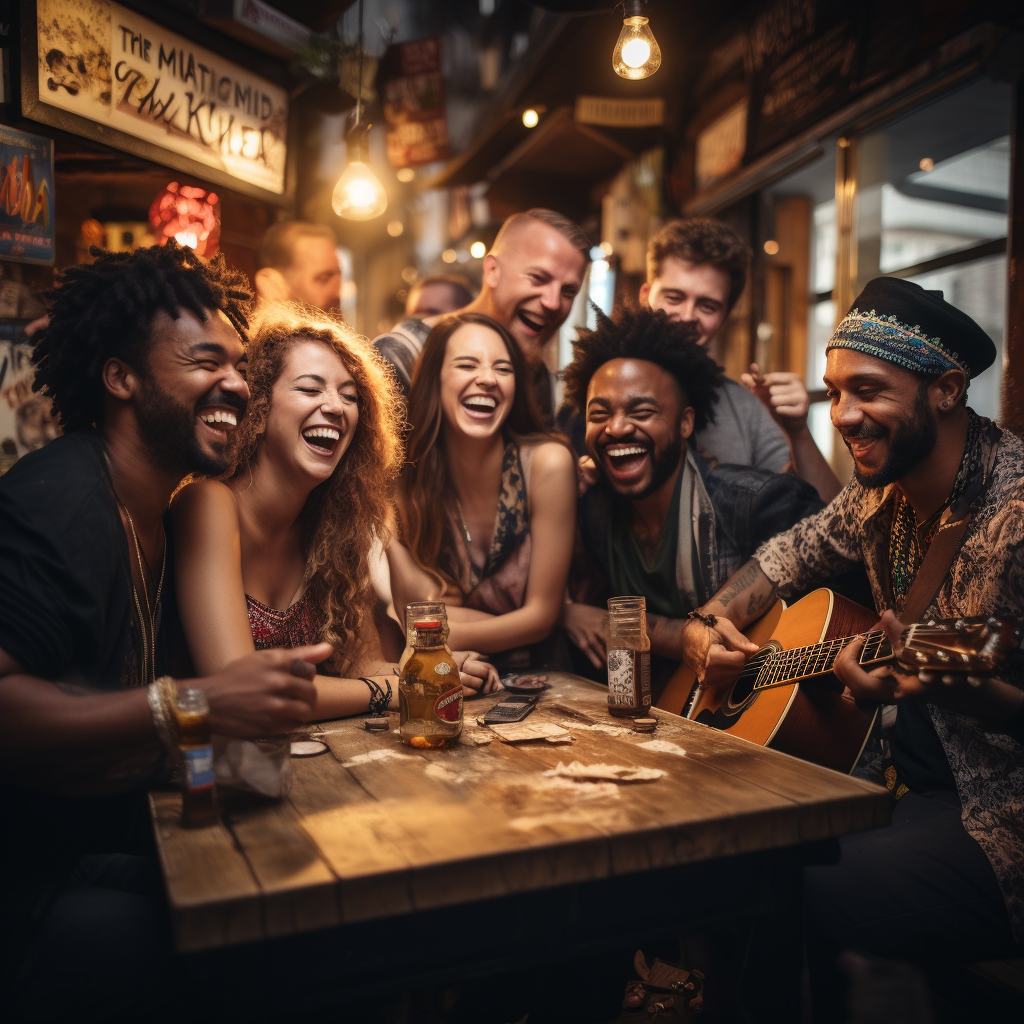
148, 643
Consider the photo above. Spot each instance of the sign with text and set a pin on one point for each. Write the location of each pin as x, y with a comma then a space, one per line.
414, 107
111, 66
616, 113
26, 197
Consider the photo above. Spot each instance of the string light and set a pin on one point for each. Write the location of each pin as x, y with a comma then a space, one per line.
636, 54
530, 117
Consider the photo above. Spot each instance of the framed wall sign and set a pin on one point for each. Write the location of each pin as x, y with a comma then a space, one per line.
99, 70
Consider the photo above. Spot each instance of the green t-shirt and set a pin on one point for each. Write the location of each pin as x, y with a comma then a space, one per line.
629, 570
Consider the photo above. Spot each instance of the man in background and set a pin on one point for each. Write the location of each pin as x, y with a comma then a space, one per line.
437, 295
297, 260
531, 277
696, 272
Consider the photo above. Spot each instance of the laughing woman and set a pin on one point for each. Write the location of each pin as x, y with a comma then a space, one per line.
275, 554
488, 497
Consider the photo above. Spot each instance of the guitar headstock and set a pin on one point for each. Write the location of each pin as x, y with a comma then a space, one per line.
967, 646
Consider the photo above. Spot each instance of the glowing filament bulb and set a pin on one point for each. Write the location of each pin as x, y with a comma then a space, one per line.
636, 54
358, 194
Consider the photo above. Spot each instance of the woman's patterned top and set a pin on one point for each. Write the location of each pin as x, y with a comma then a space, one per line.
297, 627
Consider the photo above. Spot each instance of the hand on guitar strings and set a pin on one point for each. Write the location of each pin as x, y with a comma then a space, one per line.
717, 654
990, 700
884, 684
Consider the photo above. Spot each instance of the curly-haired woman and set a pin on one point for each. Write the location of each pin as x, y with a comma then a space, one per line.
488, 498
275, 553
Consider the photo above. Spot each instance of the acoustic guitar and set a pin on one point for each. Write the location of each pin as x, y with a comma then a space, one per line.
786, 696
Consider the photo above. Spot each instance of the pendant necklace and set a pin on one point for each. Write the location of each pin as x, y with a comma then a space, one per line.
148, 641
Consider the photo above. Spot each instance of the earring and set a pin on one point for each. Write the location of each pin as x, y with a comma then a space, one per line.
945, 404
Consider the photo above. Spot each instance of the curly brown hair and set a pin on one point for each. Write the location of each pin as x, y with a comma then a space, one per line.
344, 514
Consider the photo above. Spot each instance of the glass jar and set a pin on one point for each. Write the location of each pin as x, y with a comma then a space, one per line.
629, 658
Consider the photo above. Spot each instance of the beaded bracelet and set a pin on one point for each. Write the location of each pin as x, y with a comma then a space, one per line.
709, 620
161, 697
380, 699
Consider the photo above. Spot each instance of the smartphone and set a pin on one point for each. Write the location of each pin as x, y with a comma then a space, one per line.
511, 709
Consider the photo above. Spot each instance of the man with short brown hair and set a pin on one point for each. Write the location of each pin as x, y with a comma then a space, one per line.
696, 272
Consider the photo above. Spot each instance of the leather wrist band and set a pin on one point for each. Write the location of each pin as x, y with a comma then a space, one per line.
380, 696
709, 620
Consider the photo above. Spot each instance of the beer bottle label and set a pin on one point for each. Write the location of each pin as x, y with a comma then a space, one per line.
448, 707
198, 763
629, 677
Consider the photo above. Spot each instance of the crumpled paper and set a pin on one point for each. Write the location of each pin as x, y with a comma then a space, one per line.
604, 772
523, 732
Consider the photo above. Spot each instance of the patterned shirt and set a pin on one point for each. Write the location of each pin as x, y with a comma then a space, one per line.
986, 578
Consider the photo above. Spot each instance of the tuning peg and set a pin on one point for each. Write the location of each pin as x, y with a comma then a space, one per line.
975, 681
931, 622
959, 625
949, 679
920, 655
942, 655
927, 677
991, 621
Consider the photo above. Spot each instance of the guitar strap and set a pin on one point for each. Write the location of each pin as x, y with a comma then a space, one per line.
932, 571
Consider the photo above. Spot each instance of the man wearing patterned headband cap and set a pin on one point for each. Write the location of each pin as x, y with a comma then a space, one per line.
931, 478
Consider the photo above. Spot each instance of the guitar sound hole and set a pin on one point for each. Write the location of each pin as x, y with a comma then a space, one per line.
744, 685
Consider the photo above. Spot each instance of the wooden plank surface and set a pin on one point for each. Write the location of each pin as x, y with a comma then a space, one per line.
374, 829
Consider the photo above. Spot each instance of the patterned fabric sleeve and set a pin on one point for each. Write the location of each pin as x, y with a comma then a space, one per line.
818, 547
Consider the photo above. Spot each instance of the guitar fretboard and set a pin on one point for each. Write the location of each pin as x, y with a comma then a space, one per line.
790, 666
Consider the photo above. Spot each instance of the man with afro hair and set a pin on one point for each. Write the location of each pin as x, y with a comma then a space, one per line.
663, 522
144, 360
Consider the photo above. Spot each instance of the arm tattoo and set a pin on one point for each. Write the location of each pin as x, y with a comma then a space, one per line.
759, 604
744, 582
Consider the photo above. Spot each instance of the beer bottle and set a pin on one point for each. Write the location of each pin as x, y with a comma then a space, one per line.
422, 610
429, 690
199, 793
629, 658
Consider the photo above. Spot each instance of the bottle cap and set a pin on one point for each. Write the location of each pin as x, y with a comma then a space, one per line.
645, 724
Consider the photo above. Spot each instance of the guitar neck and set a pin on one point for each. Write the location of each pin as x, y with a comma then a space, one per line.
782, 667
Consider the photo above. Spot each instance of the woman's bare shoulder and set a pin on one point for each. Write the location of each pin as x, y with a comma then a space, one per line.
205, 496
549, 457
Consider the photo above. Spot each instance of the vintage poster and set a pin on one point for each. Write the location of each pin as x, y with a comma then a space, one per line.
112, 66
26, 197
26, 422
414, 106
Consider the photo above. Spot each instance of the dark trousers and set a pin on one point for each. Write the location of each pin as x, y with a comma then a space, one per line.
919, 890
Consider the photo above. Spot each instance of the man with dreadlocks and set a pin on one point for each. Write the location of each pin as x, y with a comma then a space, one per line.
663, 523
144, 361
936, 515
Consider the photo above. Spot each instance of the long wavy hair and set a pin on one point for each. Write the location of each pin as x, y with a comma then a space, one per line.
426, 487
344, 514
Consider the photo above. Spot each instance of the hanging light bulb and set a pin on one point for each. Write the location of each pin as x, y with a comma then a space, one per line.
358, 194
636, 54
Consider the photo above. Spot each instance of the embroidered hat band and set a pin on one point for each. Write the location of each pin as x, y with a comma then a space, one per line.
902, 323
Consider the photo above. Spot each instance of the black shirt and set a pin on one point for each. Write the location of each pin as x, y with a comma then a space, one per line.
66, 614
66, 608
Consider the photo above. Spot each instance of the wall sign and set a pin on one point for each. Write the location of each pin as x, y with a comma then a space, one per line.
720, 146
414, 107
26, 197
136, 85
616, 113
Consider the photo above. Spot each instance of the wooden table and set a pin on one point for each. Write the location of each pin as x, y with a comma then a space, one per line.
376, 834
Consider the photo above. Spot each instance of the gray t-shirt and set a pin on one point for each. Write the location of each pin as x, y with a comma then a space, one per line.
743, 432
